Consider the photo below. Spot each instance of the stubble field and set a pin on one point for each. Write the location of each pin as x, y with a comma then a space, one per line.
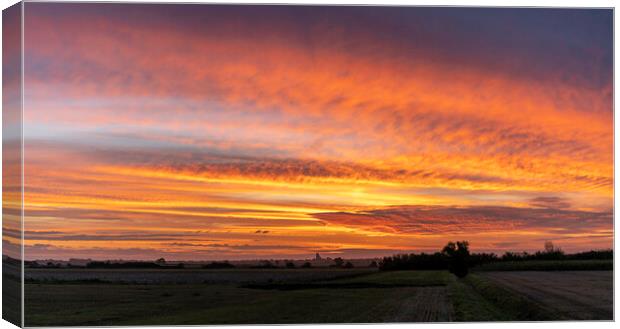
281, 296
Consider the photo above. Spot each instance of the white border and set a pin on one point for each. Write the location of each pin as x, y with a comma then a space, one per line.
466, 3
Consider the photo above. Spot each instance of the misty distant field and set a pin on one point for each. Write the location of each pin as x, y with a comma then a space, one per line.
192, 276
319, 295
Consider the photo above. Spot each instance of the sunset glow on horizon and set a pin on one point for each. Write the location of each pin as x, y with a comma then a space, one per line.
203, 132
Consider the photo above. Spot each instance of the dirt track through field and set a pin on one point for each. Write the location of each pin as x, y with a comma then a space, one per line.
429, 304
413, 304
575, 294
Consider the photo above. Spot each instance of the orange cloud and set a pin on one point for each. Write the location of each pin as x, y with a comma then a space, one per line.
245, 123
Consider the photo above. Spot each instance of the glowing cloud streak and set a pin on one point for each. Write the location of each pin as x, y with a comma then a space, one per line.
301, 122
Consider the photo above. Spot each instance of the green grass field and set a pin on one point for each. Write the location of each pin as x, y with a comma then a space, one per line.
11, 293
404, 296
121, 304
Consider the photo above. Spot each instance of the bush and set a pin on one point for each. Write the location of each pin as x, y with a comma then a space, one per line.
592, 254
108, 264
264, 264
436, 261
481, 259
218, 265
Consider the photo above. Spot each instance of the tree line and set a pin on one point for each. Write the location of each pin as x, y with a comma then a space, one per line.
456, 258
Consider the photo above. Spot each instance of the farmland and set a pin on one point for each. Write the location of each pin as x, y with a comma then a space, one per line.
584, 295
11, 292
550, 265
192, 276
316, 295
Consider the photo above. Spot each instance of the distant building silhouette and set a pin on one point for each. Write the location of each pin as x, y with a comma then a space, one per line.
549, 247
317, 257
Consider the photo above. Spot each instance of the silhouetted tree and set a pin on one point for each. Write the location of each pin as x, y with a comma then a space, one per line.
306, 265
338, 262
290, 265
373, 264
348, 265
458, 256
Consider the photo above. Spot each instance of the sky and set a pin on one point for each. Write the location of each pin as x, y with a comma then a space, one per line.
11, 132
209, 132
